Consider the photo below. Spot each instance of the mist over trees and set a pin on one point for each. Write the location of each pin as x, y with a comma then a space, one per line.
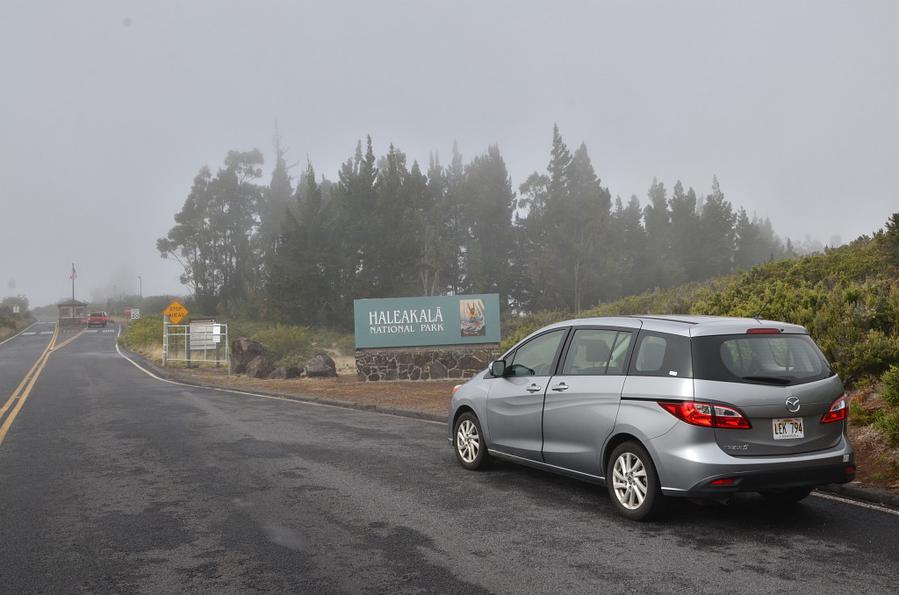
302, 252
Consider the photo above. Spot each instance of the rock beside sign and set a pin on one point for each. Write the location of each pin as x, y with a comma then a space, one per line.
243, 351
259, 367
286, 373
320, 366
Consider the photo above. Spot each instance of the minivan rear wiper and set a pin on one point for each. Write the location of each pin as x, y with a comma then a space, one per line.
772, 379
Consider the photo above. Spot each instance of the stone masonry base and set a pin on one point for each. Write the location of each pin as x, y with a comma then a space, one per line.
424, 363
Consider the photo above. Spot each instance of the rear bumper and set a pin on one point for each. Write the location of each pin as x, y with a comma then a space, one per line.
761, 481
688, 467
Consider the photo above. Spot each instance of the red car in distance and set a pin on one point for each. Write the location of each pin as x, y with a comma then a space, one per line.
97, 319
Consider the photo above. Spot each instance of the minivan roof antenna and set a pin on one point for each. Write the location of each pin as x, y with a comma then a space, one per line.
763, 308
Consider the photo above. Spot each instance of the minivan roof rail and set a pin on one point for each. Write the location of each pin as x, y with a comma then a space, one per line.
660, 318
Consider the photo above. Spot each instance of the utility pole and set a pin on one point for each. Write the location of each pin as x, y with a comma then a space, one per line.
140, 287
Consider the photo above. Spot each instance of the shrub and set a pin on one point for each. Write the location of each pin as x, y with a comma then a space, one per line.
890, 392
146, 332
284, 340
860, 415
888, 422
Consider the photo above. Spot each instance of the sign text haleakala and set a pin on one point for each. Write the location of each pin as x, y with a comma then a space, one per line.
405, 321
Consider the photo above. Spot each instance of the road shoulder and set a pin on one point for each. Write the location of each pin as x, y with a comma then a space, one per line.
235, 384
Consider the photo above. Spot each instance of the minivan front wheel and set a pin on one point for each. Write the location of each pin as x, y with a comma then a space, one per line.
468, 442
633, 482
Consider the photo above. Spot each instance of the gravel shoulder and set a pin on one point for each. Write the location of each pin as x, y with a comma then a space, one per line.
423, 399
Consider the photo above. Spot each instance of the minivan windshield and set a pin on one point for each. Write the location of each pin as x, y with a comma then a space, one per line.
769, 359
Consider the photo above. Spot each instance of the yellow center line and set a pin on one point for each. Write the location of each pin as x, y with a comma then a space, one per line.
21, 394
24, 381
66, 342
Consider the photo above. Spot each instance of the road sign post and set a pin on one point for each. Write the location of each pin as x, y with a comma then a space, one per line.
165, 341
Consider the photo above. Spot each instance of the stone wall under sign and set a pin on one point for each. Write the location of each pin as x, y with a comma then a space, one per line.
424, 363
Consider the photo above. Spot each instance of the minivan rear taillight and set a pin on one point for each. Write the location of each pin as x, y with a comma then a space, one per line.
708, 415
838, 411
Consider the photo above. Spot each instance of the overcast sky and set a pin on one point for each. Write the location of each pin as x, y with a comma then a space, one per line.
108, 109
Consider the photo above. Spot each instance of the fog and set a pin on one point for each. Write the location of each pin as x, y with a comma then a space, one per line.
108, 109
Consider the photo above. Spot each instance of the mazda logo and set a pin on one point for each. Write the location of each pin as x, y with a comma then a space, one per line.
792, 404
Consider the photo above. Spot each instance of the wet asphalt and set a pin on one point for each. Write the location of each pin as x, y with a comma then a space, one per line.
114, 482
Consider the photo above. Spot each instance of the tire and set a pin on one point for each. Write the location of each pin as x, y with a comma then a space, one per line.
633, 482
468, 442
790, 496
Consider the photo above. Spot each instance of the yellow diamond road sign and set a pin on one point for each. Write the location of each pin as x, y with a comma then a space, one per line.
175, 312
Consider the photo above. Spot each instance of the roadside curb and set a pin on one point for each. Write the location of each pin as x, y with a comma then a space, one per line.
864, 494
168, 375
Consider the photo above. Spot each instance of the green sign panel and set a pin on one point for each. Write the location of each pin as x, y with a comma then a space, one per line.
416, 321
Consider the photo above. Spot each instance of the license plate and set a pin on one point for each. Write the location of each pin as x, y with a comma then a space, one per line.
789, 428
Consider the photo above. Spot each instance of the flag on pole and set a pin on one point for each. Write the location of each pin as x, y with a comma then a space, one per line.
74, 274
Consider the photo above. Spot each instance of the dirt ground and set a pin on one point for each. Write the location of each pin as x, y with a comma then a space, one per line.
432, 396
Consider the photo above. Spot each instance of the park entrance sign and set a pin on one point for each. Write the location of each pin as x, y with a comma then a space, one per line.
426, 338
427, 321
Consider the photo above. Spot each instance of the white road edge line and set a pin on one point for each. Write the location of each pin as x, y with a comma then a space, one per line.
856, 503
261, 396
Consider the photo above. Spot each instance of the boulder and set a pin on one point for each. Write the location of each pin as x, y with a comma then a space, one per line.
321, 366
286, 372
243, 350
259, 367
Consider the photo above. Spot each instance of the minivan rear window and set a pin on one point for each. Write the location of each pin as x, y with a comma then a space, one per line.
765, 359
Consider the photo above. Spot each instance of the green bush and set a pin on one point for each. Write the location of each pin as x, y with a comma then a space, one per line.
890, 392
145, 332
861, 416
283, 340
888, 422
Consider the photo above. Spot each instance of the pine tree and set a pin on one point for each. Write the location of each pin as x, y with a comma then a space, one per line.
685, 253
717, 232
657, 222
489, 204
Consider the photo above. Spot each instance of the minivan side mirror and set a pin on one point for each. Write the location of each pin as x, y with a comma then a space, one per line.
498, 368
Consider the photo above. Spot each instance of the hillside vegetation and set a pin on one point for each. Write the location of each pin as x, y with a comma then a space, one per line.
848, 298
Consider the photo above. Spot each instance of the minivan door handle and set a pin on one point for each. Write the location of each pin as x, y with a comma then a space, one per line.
560, 387
534, 387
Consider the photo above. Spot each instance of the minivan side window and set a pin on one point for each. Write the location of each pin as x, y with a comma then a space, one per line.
662, 354
596, 352
537, 356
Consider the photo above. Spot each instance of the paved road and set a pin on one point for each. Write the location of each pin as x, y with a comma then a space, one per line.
111, 481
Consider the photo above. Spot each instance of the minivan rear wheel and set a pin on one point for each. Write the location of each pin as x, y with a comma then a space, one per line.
633, 482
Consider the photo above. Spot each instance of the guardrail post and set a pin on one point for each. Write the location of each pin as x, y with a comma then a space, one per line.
187, 345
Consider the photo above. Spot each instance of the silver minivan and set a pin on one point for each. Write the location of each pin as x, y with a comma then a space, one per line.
655, 406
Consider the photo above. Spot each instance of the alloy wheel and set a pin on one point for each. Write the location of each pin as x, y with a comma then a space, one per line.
629, 480
468, 442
